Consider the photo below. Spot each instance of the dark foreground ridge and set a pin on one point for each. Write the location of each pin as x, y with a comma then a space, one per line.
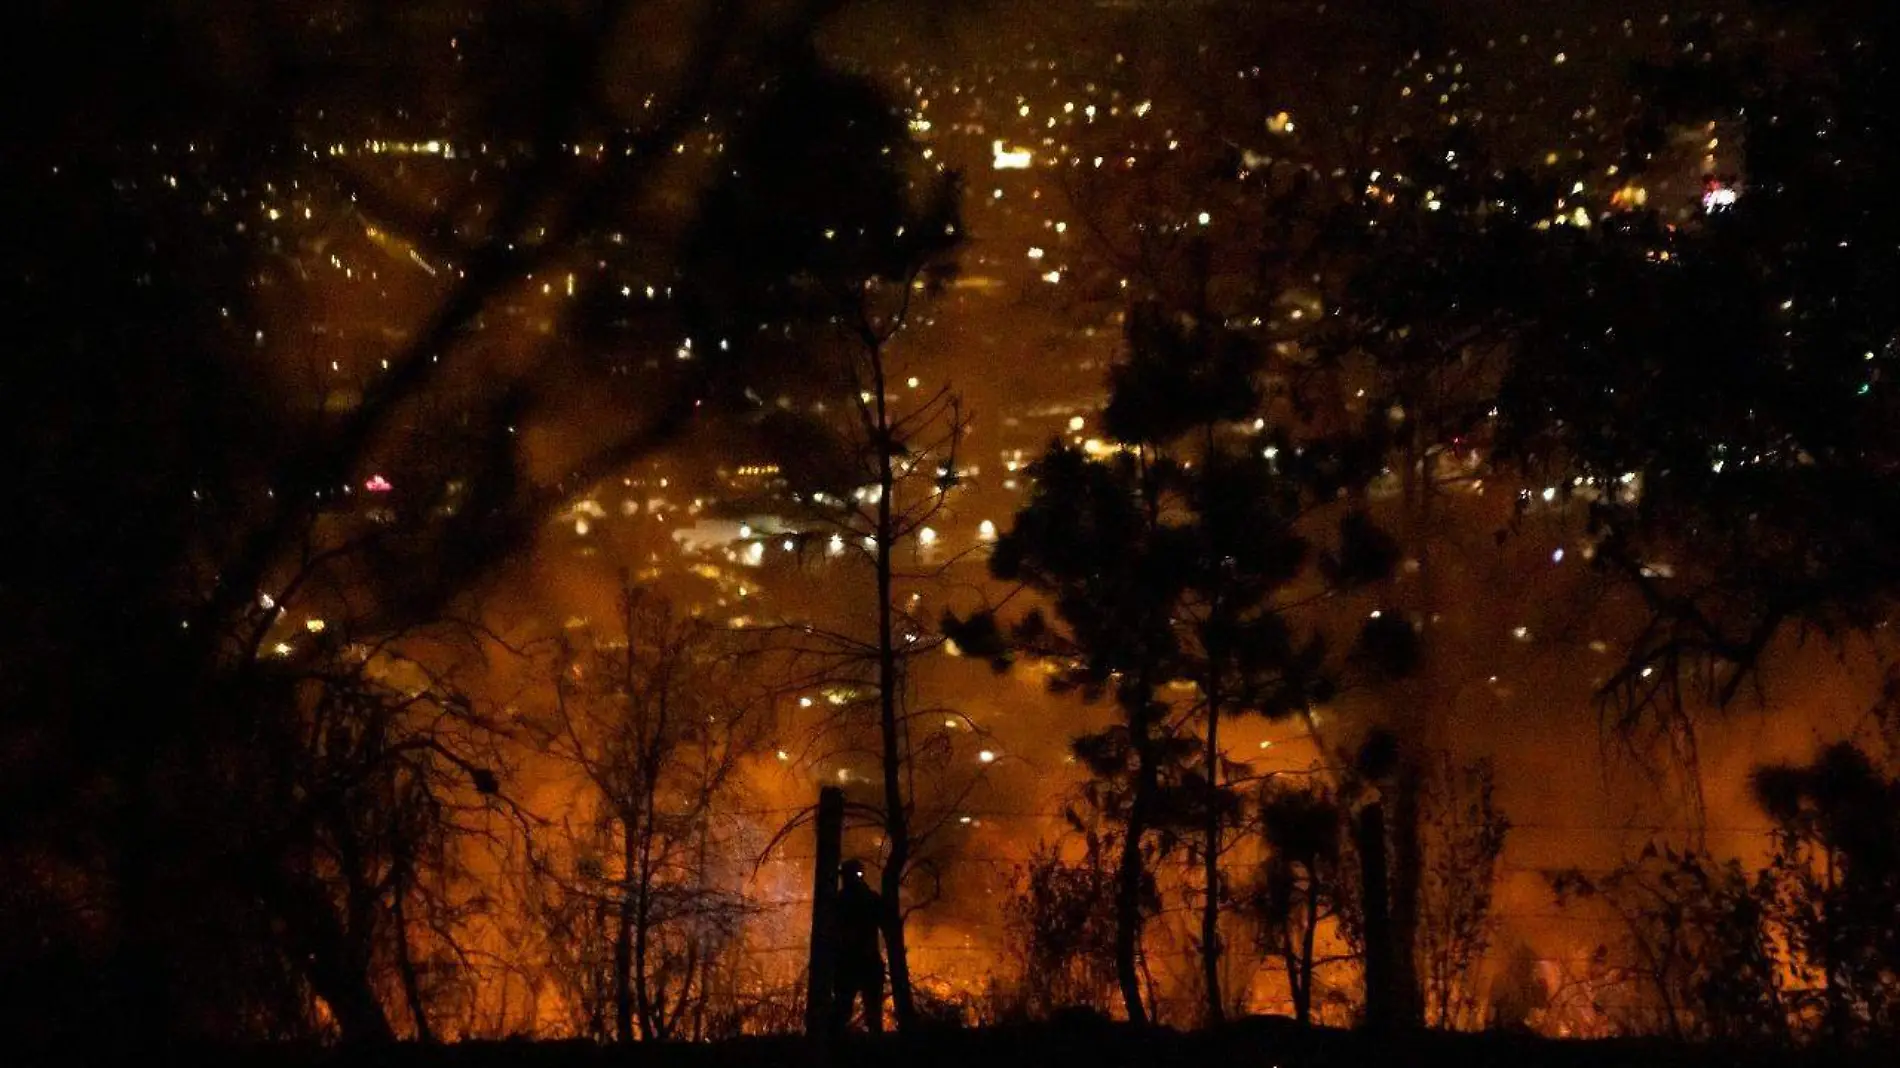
1263, 1042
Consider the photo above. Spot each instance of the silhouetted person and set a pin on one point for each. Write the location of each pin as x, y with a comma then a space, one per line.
860, 968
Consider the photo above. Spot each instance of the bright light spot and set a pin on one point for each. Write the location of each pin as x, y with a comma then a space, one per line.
755, 553
927, 536
281, 648
1035, 253
314, 626
1204, 218
1010, 159
911, 382
1549, 494
1719, 197
580, 526
986, 530
1375, 614
1052, 277
1522, 634
804, 702
950, 723
835, 545
787, 545
1076, 422
987, 757
378, 484
1557, 556
783, 755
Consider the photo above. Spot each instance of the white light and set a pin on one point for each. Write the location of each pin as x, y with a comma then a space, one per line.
1010, 159
1052, 277
987, 757
1076, 422
835, 545
1204, 218
1557, 556
804, 702
986, 530
1522, 634
927, 536
1550, 494
1035, 253
787, 544
783, 755
911, 382
314, 626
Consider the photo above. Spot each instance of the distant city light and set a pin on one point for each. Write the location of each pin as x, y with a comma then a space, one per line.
1010, 159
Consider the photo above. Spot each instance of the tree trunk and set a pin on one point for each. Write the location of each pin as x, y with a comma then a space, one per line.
406, 968
1380, 965
896, 814
1407, 870
1129, 872
623, 939
822, 959
335, 974
1210, 867
1303, 1008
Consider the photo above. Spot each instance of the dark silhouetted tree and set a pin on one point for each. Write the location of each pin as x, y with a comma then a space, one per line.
658, 719
1835, 876
848, 227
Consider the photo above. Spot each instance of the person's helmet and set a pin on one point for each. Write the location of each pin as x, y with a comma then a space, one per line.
852, 869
